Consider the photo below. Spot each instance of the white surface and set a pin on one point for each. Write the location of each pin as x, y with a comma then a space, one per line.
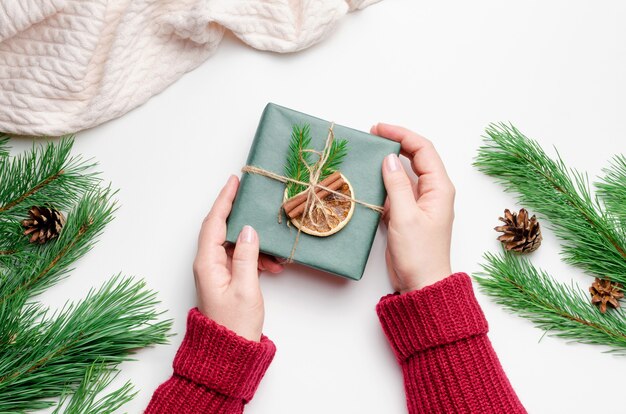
446, 69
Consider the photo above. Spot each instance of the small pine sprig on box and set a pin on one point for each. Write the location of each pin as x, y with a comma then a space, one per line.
591, 228
298, 158
45, 355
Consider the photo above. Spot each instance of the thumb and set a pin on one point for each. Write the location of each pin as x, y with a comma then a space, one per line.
398, 185
245, 259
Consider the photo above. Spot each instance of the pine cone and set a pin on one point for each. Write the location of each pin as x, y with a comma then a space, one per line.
605, 292
521, 234
45, 223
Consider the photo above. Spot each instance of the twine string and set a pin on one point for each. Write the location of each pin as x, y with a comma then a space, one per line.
313, 200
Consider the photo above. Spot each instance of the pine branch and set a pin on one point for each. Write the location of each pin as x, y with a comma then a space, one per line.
82, 400
28, 269
45, 173
612, 190
106, 327
589, 237
564, 311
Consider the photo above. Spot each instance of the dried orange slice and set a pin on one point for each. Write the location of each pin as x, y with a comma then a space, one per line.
338, 213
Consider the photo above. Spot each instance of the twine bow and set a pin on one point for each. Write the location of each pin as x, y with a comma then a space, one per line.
313, 201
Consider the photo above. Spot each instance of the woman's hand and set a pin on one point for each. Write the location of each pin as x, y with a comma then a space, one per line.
419, 216
227, 278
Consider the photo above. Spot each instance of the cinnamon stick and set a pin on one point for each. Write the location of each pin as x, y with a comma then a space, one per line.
301, 197
299, 209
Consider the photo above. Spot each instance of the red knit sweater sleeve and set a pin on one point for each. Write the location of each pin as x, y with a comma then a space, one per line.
439, 337
215, 371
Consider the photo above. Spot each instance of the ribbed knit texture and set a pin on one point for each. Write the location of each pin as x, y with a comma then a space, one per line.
68, 65
439, 336
215, 370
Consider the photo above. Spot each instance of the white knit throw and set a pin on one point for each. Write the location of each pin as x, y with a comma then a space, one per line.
67, 65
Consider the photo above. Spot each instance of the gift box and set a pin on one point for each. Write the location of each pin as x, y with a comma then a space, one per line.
261, 194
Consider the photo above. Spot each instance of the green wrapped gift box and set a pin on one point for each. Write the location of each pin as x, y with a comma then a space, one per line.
259, 198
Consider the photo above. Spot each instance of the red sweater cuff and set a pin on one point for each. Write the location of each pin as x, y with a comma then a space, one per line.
219, 359
439, 314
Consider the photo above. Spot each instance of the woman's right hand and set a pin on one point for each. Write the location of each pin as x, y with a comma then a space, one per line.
419, 215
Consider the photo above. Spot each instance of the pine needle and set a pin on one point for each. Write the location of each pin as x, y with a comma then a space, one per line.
297, 159
83, 400
561, 310
612, 190
4, 146
563, 196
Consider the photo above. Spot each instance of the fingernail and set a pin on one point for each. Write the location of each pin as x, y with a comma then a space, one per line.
392, 163
247, 234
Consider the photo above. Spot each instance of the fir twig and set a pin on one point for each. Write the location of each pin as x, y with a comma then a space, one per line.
106, 327
589, 237
563, 311
83, 400
336, 155
612, 190
45, 174
298, 158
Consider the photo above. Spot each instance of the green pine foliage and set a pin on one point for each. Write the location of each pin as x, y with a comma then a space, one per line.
590, 227
336, 155
4, 145
298, 158
590, 238
295, 167
47, 172
47, 354
564, 311
83, 400
612, 190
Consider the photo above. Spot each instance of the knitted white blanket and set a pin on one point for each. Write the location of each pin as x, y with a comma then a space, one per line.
67, 65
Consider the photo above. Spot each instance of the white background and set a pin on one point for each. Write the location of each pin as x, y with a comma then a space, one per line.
446, 69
